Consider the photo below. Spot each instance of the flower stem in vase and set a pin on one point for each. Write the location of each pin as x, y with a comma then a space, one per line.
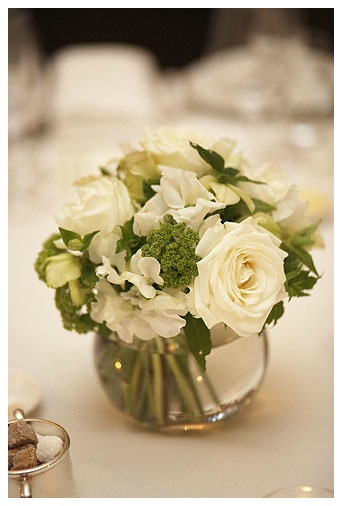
157, 380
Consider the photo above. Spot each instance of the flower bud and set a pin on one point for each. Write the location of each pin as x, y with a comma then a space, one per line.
75, 245
136, 168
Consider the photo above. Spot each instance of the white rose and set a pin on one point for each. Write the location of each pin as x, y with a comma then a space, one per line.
171, 147
279, 192
240, 276
98, 203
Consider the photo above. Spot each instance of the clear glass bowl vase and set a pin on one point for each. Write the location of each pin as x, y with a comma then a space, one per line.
159, 384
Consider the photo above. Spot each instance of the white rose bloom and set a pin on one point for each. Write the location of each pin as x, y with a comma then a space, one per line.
171, 147
99, 203
241, 276
292, 218
275, 189
290, 210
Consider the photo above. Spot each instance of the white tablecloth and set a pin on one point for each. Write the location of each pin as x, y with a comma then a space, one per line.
284, 438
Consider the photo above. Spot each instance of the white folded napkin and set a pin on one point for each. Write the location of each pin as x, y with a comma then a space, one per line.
103, 81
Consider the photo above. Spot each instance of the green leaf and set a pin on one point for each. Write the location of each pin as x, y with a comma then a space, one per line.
302, 255
213, 159
276, 312
234, 212
74, 241
263, 207
130, 242
105, 171
198, 339
87, 240
148, 190
306, 259
305, 237
88, 273
70, 238
298, 282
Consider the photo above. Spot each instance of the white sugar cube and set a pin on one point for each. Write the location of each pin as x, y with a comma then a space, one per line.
48, 447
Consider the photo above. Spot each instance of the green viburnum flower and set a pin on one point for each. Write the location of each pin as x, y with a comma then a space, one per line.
49, 249
173, 245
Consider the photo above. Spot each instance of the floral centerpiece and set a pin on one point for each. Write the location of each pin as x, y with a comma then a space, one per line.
174, 238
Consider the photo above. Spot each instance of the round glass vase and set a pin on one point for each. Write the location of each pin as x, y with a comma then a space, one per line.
159, 383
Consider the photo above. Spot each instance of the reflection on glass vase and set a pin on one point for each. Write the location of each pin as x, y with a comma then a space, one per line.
159, 384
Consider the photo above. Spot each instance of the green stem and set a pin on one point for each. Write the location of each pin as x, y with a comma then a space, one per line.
211, 389
158, 387
186, 392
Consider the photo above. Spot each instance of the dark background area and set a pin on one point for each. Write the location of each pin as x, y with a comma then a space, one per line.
175, 36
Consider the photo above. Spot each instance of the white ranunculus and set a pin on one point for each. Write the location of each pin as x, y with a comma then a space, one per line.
98, 203
241, 276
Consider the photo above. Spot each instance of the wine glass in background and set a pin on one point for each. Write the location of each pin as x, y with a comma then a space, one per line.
26, 101
28, 115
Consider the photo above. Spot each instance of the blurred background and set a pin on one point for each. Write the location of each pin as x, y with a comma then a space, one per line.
178, 36
81, 81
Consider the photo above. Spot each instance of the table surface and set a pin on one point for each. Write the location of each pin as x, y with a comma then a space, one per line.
283, 438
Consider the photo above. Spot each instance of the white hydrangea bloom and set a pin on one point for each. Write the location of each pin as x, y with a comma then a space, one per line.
131, 315
110, 308
141, 272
